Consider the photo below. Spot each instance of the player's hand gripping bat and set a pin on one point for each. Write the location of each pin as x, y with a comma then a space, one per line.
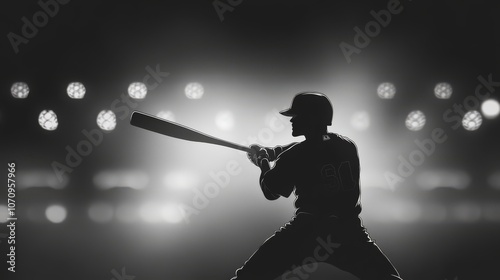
172, 129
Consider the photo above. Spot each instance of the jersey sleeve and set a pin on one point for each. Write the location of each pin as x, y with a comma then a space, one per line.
280, 179
275, 152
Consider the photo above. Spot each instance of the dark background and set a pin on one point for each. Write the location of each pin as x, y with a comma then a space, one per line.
251, 63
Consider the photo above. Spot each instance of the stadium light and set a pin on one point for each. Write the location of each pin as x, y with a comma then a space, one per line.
415, 120
48, 120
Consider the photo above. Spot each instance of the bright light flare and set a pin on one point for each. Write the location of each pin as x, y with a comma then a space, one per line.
76, 90
56, 213
106, 120
386, 90
415, 120
180, 180
137, 90
360, 120
48, 120
194, 91
472, 120
443, 90
490, 108
172, 213
224, 120
150, 213
167, 115
20, 90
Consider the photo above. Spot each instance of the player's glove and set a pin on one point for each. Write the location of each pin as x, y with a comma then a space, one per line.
258, 154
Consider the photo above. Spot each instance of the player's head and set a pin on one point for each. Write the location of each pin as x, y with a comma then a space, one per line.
311, 113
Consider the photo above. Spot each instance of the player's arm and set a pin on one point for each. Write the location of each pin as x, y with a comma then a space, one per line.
261, 157
264, 168
276, 181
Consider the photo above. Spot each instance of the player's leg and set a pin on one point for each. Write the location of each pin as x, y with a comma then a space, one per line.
366, 261
279, 253
358, 254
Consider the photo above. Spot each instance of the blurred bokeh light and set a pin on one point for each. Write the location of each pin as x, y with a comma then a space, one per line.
76, 90
415, 120
443, 90
386, 90
137, 90
20, 90
490, 108
48, 120
194, 91
56, 213
106, 120
472, 120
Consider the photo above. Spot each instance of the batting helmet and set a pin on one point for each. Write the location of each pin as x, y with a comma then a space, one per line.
311, 104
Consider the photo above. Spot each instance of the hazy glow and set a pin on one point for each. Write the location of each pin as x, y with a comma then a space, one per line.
150, 213
429, 180
467, 212
36, 214
491, 212
386, 90
167, 115
56, 213
406, 212
443, 90
48, 120
490, 108
224, 120
181, 180
3, 213
415, 120
137, 90
472, 120
194, 91
126, 213
360, 120
106, 120
494, 180
76, 90
20, 90
126, 178
34, 179
434, 213
172, 213
101, 212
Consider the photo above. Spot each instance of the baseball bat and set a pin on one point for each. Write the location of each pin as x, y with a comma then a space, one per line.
172, 129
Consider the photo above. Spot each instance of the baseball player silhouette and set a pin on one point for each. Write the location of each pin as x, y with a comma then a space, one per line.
324, 172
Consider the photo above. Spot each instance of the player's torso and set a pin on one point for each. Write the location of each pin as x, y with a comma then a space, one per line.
326, 179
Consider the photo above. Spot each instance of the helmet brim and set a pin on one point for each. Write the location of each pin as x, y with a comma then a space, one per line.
288, 112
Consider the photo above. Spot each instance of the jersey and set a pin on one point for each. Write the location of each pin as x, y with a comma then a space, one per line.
324, 174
